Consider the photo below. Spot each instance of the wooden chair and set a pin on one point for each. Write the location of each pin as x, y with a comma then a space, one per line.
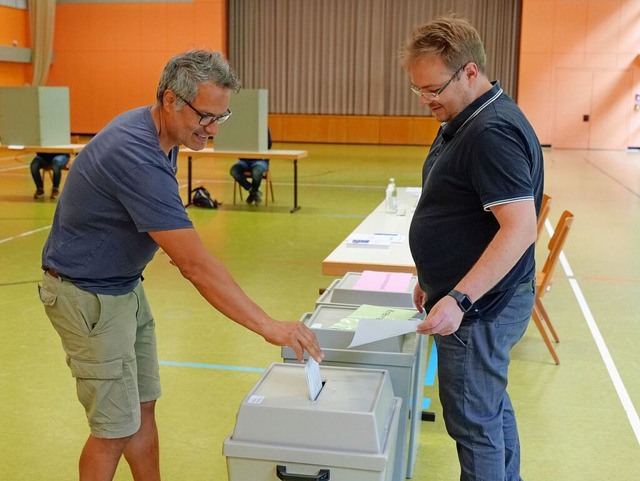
266, 177
545, 207
543, 282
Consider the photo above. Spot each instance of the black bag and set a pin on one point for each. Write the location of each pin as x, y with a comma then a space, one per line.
202, 198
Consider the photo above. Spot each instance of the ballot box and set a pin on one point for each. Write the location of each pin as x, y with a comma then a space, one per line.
380, 290
348, 433
401, 356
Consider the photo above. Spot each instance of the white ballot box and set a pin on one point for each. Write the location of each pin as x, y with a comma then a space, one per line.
348, 433
402, 356
381, 290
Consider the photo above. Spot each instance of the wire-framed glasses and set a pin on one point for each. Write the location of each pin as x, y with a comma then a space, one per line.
433, 96
208, 119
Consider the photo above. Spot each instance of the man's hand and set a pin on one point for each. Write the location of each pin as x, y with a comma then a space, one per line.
295, 335
419, 298
444, 318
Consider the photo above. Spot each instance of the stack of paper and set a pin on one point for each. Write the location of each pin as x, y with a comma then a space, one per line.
383, 281
374, 323
368, 240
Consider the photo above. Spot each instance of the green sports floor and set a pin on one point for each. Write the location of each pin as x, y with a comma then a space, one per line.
578, 420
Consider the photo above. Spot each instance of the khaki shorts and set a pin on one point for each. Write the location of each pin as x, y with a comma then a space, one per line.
111, 350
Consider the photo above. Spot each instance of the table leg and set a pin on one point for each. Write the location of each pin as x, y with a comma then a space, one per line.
189, 182
295, 186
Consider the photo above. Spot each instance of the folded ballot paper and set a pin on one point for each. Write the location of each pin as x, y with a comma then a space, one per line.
314, 381
374, 323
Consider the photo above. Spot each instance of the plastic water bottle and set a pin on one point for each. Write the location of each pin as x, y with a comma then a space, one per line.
391, 199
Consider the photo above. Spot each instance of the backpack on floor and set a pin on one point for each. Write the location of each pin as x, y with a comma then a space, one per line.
202, 198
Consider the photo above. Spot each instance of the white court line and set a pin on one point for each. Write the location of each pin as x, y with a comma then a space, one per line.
618, 384
24, 234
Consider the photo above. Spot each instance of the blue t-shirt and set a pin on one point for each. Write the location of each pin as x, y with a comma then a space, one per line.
486, 156
121, 186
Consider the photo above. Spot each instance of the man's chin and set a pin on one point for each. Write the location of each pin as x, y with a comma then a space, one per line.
197, 143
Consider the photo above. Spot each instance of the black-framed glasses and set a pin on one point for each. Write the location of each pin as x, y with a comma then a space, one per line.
435, 95
208, 119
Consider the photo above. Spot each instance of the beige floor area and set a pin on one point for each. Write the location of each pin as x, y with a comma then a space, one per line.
577, 420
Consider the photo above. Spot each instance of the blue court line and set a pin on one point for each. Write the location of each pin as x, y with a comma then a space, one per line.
211, 366
430, 375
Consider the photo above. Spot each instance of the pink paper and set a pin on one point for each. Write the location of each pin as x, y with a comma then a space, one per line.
383, 281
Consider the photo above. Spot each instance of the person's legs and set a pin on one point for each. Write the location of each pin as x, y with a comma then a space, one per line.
100, 457
258, 168
100, 333
143, 449
58, 163
36, 164
237, 172
472, 372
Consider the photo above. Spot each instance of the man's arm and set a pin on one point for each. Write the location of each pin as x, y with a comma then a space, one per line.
516, 233
214, 282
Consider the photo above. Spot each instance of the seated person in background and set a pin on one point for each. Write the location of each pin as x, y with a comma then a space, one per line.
57, 162
257, 167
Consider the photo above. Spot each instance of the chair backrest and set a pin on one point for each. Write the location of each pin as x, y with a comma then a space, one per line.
545, 207
555, 248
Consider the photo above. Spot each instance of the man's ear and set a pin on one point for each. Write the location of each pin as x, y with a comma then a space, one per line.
169, 99
471, 71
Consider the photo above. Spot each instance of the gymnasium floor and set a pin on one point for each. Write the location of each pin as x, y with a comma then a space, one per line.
578, 420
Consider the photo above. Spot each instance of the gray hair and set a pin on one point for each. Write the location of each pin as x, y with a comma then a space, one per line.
186, 71
452, 39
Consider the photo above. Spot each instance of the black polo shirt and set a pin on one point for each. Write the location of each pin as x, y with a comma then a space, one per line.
487, 155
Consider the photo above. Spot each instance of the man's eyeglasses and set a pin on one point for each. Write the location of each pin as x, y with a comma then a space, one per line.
433, 96
208, 119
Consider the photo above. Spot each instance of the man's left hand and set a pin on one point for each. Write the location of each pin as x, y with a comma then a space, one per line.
444, 318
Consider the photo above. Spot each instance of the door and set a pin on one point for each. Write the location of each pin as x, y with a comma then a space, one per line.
573, 106
592, 109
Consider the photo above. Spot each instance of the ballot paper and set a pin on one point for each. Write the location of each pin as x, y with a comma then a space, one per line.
371, 330
314, 381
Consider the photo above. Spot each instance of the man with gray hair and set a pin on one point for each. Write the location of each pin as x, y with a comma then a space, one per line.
120, 204
472, 239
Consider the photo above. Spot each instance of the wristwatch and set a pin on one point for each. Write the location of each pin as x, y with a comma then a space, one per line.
464, 303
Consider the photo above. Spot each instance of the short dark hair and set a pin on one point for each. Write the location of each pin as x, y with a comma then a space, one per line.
452, 39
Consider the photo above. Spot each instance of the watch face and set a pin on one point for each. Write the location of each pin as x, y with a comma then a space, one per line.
465, 303
462, 299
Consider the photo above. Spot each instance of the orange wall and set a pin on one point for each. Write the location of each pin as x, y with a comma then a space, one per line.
14, 25
110, 55
353, 129
588, 37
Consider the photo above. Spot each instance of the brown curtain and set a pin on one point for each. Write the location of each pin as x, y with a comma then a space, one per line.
42, 14
340, 56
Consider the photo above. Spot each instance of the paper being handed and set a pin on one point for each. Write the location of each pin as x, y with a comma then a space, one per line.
371, 330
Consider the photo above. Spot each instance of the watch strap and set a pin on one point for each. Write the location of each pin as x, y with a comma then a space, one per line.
463, 301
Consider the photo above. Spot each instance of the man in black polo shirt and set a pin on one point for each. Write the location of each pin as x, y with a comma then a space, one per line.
472, 239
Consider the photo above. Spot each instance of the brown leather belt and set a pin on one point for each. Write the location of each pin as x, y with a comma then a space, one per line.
52, 272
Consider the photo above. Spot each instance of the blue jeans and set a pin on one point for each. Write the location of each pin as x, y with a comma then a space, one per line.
57, 164
257, 169
472, 372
